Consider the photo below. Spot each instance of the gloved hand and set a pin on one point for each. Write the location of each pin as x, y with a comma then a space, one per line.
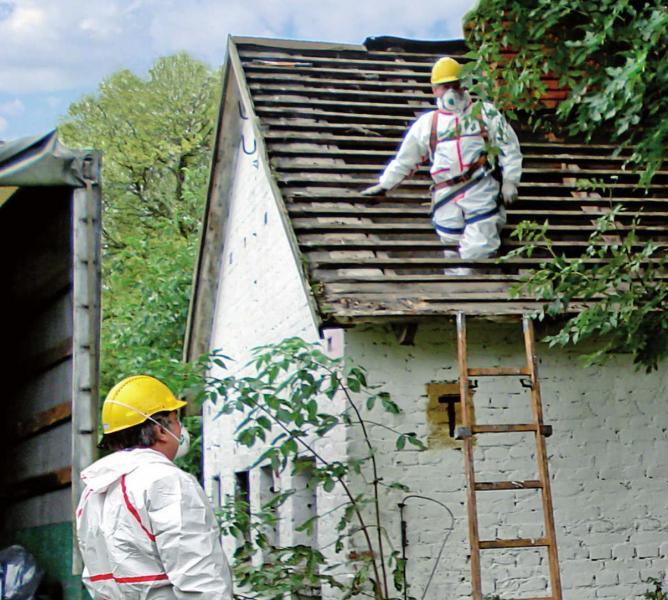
374, 190
508, 192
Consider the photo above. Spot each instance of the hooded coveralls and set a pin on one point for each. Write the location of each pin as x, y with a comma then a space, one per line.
147, 532
464, 212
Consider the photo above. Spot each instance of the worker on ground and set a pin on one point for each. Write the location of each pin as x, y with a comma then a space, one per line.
146, 530
459, 138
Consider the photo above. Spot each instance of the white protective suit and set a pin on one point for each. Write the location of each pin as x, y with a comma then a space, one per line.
147, 532
465, 213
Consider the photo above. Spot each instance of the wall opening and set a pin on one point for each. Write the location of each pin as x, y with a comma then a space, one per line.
444, 414
242, 499
268, 492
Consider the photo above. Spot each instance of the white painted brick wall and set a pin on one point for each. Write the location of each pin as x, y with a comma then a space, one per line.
260, 301
607, 461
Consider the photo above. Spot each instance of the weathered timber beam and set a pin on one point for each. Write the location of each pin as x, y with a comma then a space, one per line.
40, 421
46, 359
38, 485
302, 224
418, 263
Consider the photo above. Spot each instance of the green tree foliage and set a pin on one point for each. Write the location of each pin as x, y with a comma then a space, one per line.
610, 56
284, 409
155, 133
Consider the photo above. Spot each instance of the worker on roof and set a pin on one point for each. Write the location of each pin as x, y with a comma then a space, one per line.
459, 139
146, 530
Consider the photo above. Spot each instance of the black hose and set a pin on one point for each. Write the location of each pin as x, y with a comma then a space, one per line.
404, 541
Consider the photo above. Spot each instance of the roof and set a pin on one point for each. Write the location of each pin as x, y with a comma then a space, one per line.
332, 115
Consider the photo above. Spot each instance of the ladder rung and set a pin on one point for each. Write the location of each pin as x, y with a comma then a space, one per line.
518, 543
498, 372
534, 598
464, 432
487, 486
503, 428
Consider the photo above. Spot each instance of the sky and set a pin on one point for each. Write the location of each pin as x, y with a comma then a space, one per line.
55, 51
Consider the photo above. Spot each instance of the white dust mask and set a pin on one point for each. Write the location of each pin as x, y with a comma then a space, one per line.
452, 100
184, 442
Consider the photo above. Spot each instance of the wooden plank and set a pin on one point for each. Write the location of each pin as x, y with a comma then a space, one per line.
243, 42
280, 79
351, 313
38, 485
420, 68
332, 138
46, 359
353, 208
402, 279
410, 245
42, 420
275, 80
292, 153
345, 179
498, 372
492, 486
454, 284
541, 456
405, 297
468, 421
517, 543
413, 196
507, 428
386, 92
424, 225
455, 48
529, 174
416, 263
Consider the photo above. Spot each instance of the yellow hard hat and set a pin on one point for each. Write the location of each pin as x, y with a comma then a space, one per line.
132, 400
445, 70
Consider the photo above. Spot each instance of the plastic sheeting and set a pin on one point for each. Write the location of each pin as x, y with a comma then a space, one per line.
44, 161
19, 574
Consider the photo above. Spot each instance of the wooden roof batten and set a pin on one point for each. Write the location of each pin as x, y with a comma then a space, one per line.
332, 115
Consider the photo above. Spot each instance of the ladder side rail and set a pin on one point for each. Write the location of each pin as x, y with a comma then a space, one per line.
541, 455
467, 421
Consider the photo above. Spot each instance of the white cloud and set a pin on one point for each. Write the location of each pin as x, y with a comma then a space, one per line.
3, 124
51, 46
65, 47
12, 108
204, 27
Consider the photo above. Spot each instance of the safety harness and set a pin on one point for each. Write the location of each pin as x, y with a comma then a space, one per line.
469, 177
481, 161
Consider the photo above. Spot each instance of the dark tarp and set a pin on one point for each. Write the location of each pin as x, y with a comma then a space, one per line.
44, 161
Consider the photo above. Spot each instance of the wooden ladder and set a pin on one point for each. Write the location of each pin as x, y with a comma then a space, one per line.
470, 428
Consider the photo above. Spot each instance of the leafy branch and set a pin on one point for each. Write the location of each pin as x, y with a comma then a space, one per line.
617, 290
296, 397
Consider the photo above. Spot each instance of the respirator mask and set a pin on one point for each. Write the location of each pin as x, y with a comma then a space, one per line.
453, 100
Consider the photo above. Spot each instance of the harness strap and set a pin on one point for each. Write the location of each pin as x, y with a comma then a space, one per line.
451, 230
481, 161
457, 192
433, 136
469, 221
482, 216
